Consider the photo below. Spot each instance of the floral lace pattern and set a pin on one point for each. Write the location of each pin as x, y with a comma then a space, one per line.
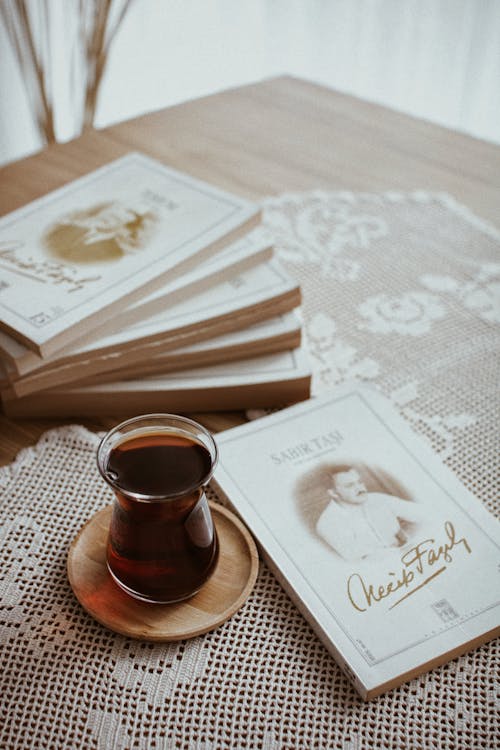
323, 231
334, 359
480, 293
410, 314
400, 290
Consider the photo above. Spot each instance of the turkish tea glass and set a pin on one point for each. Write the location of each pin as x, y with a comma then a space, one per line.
162, 544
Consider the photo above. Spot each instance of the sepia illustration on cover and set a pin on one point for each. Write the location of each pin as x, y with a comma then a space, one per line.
385, 552
103, 239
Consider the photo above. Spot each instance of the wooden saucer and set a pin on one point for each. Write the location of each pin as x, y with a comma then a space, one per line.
223, 594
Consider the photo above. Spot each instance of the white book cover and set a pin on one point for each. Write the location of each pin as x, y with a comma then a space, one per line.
252, 288
392, 560
278, 334
232, 260
265, 381
229, 262
282, 325
258, 293
105, 238
275, 335
253, 341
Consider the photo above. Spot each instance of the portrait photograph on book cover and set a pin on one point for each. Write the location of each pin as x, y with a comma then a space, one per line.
104, 240
103, 232
376, 549
357, 510
367, 530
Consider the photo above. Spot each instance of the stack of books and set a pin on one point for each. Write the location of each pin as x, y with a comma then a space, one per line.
138, 288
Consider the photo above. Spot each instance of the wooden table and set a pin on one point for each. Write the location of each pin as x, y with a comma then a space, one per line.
266, 138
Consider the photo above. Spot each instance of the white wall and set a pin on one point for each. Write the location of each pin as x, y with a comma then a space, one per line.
436, 59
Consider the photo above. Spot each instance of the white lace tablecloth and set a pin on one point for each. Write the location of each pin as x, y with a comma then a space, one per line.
399, 290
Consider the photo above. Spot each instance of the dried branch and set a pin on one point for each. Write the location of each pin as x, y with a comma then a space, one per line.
94, 36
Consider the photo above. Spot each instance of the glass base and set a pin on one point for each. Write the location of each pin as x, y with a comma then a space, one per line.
149, 600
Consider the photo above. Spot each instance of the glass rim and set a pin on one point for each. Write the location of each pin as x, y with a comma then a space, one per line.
101, 456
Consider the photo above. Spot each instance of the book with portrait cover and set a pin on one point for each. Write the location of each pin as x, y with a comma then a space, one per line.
279, 334
257, 294
265, 381
391, 559
226, 265
103, 241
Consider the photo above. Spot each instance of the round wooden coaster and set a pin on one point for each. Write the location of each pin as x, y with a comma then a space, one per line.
223, 594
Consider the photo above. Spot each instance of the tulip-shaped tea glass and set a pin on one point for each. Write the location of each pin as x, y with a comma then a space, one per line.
162, 543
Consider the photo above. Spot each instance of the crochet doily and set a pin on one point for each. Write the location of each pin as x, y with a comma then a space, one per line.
399, 290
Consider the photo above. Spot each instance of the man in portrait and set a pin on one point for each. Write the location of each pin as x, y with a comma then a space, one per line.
356, 521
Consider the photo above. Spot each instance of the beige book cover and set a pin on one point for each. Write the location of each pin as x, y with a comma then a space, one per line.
229, 262
103, 241
275, 335
391, 559
257, 294
284, 332
271, 380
